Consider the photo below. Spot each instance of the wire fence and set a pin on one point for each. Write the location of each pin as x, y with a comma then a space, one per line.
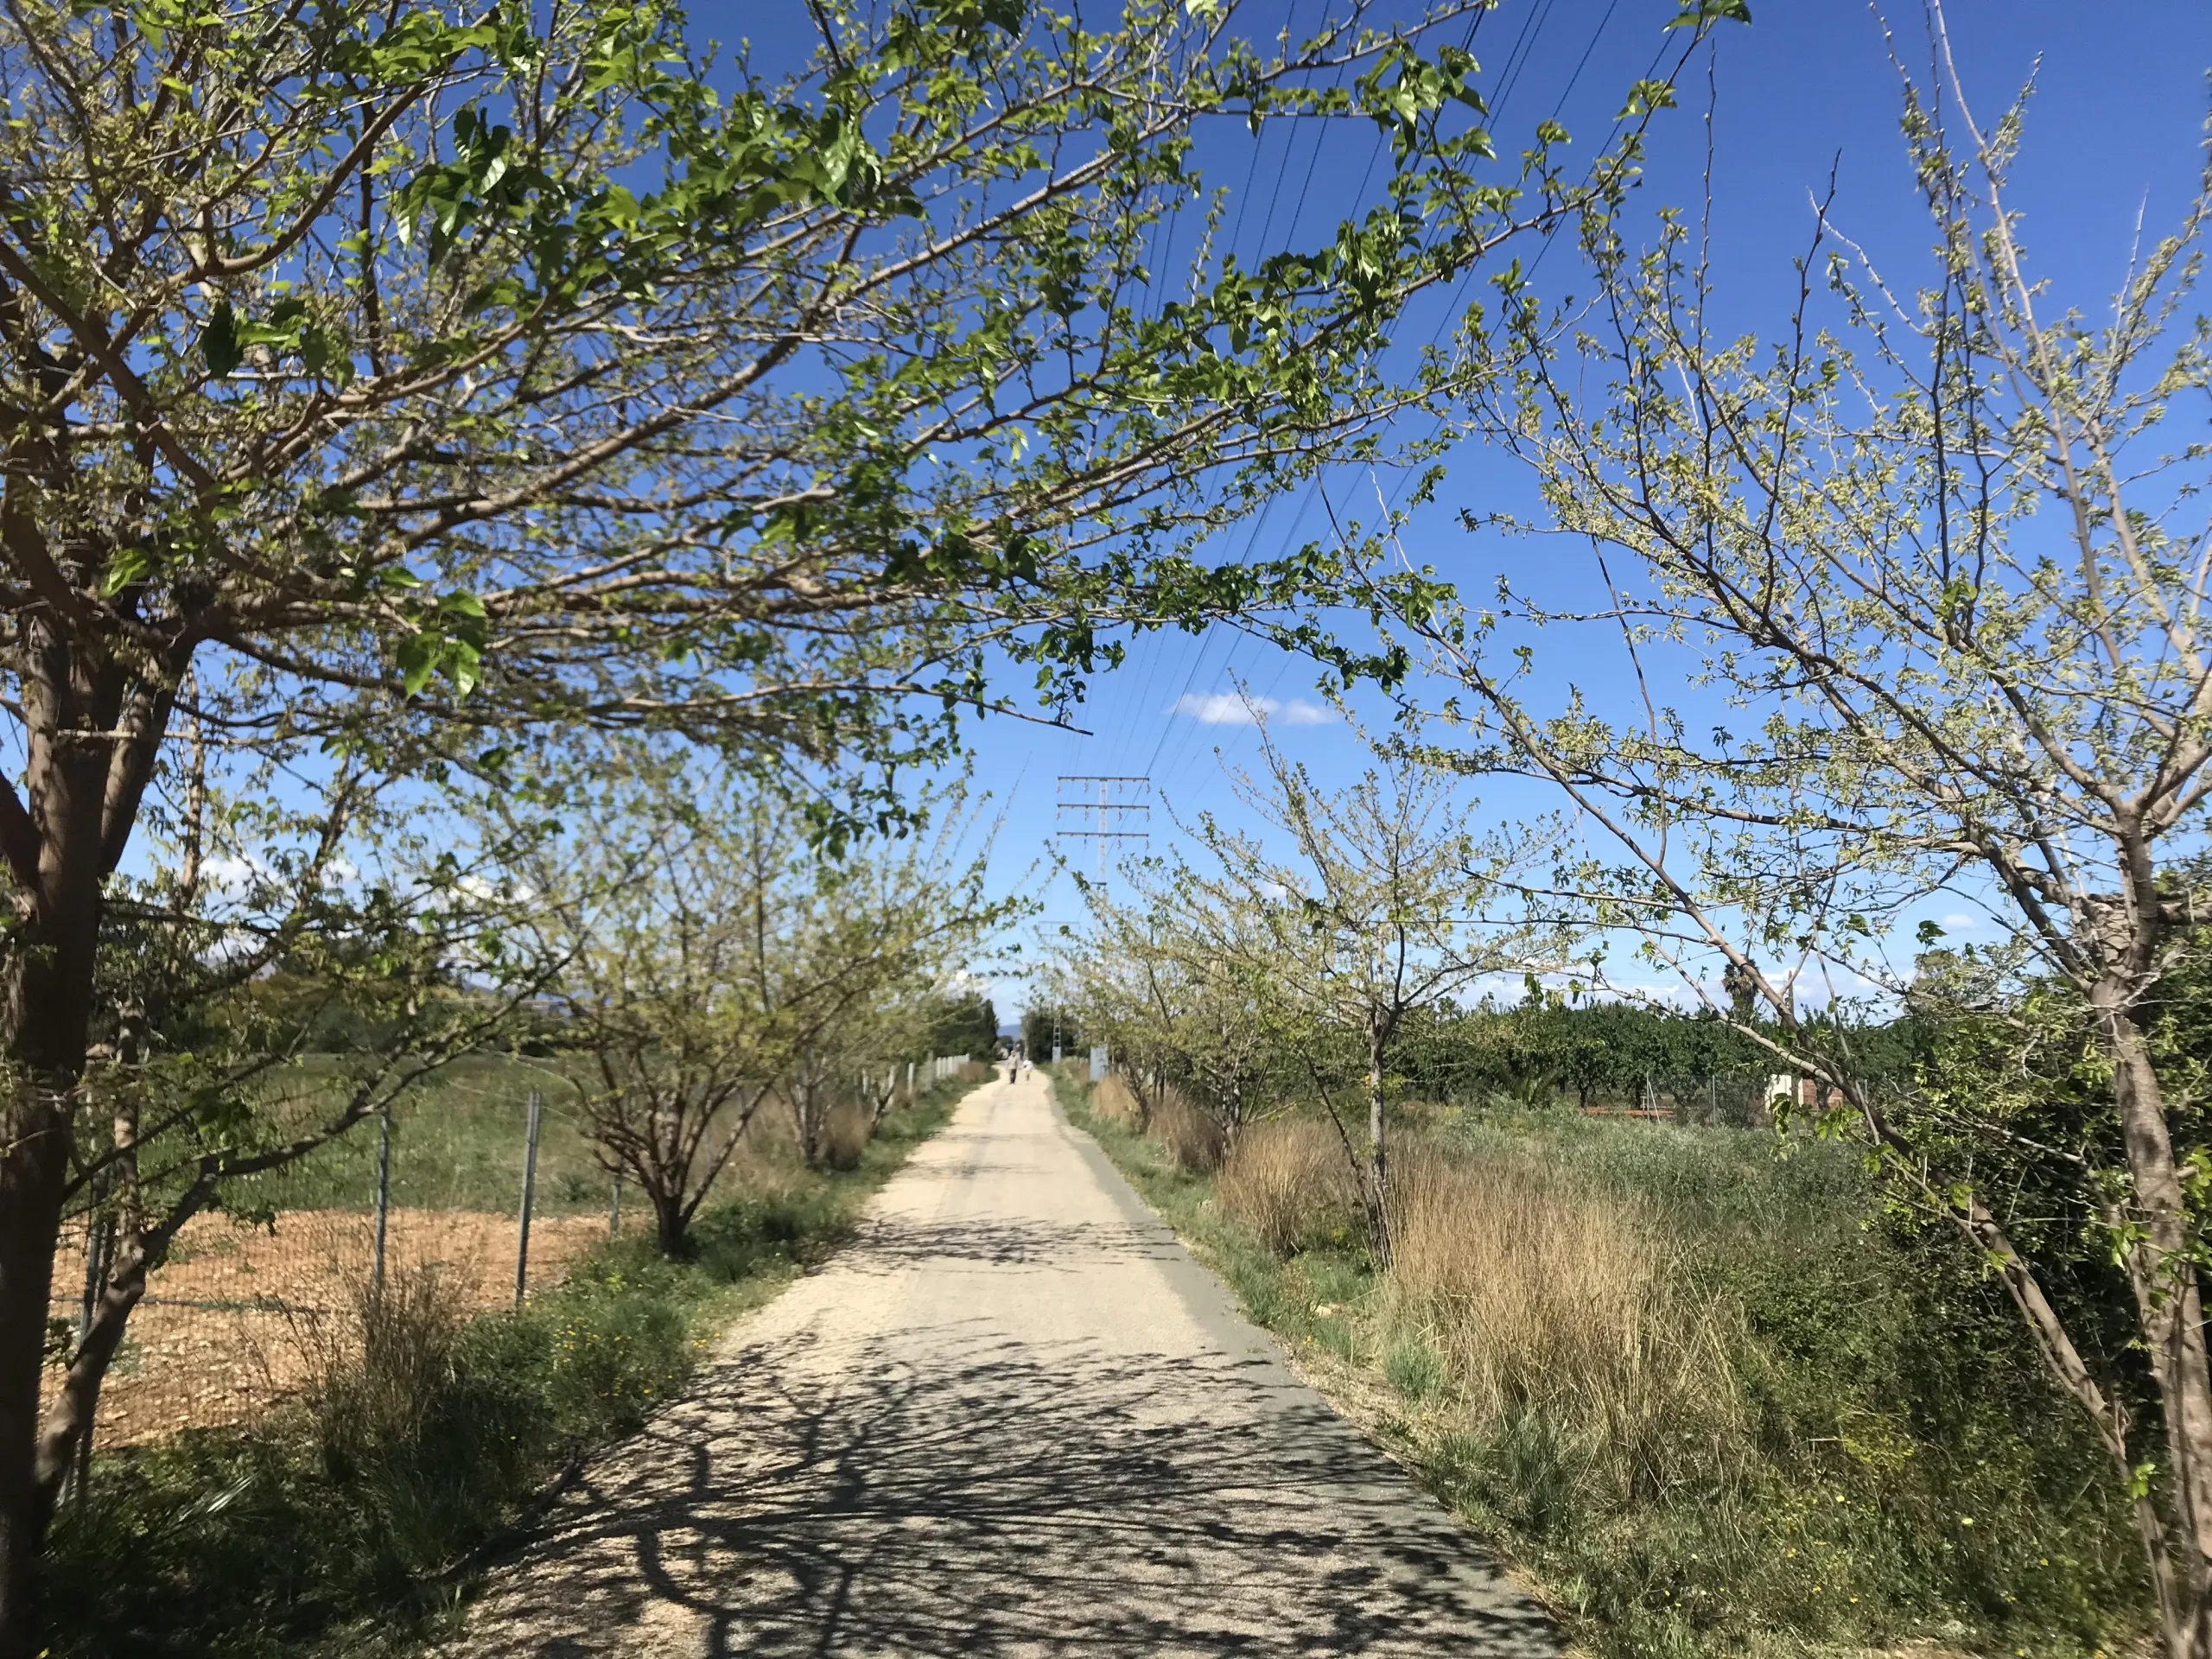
481, 1176
1738, 1100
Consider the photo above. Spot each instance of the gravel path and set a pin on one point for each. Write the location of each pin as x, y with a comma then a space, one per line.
1014, 1417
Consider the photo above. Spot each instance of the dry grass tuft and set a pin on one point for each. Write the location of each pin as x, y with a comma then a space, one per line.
1289, 1181
377, 1382
846, 1135
1114, 1100
1193, 1137
1545, 1295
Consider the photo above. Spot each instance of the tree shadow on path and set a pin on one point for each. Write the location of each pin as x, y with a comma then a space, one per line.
944, 1489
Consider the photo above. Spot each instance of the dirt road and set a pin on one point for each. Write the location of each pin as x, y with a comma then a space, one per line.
1015, 1418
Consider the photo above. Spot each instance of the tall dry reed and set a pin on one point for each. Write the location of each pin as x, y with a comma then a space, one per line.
1192, 1135
846, 1135
1549, 1298
1290, 1183
1114, 1100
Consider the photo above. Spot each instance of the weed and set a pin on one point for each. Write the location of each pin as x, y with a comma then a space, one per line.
846, 1135
1193, 1138
1290, 1183
1412, 1367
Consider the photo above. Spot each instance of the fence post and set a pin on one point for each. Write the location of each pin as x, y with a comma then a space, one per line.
1713, 1100
99, 1239
383, 1198
614, 1209
529, 1193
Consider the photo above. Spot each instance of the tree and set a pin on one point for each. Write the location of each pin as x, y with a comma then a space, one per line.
664, 908
252, 942
1044, 1029
387, 382
961, 1022
1181, 1007
1126, 993
711, 959
1936, 576
876, 943
1380, 905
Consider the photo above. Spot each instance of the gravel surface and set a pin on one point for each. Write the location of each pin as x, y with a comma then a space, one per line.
1014, 1417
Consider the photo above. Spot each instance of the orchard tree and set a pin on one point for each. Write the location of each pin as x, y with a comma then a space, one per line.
1933, 574
874, 946
1348, 910
709, 957
1183, 1007
1126, 992
251, 940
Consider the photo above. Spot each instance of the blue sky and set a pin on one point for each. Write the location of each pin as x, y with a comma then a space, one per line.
1806, 91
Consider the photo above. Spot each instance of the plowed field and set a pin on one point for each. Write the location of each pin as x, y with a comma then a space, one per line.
238, 1317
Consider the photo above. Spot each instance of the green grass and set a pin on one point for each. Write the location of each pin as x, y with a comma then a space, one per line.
348, 1522
1893, 1468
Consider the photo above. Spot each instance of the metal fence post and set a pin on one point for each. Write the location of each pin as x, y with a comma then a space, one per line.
529, 1193
99, 1240
614, 1209
383, 1197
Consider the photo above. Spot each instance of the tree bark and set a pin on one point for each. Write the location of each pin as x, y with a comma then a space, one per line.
670, 1222
1378, 1162
2171, 1310
71, 698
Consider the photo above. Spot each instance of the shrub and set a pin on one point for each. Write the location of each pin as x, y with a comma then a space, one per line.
1113, 1099
380, 1388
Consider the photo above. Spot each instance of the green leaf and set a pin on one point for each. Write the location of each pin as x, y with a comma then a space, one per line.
418, 659
132, 564
218, 342
1700, 14
462, 666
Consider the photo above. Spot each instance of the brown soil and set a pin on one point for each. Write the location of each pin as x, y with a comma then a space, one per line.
242, 1315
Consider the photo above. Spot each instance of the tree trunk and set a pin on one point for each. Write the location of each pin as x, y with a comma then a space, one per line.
2170, 1311
36, 1130
671, 1224
806, 1116
58, 849
1378, 1162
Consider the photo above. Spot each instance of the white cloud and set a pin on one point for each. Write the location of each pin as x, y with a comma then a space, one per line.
226, 873
1227, 709
1959, 920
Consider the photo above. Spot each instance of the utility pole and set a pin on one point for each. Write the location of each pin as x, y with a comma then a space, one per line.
1117, 808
